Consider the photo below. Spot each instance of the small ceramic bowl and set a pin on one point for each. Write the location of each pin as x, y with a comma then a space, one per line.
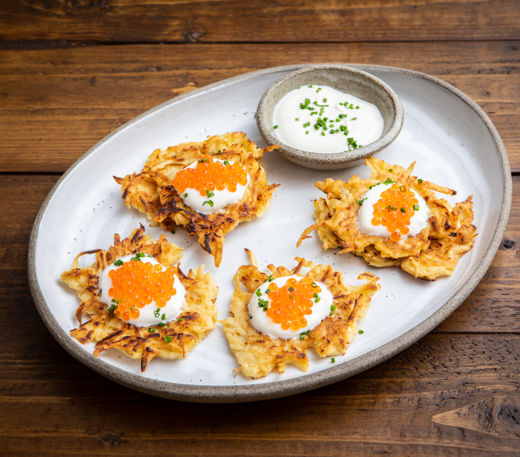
346, 79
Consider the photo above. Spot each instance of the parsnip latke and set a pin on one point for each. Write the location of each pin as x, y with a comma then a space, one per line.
169, 339
223, 183
410, 227
258, 354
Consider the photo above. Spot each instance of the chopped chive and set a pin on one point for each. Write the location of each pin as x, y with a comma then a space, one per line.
161, 324
180, 319
203, 160
291, 289
208, 202
167, 339
416, 207
209, 193
388, 181
333, 360
361, 332
258, 292
403, 210
112, 309
185, 194
151, 330
264, 304
118, 263
157, 312
267, 291
316, 298
304, 334
275, 127
226, 162
360, 202
163, 317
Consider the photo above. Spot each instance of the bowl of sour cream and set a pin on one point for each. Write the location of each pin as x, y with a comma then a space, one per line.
329, 116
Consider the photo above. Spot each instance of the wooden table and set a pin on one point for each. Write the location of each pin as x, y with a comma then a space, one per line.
72, 71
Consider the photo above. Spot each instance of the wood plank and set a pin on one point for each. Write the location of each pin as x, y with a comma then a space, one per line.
410, 405
58, 103
257, 21
492, 307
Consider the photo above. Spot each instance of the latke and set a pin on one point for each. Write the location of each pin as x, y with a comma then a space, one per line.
151, 191
172, 341
433, 253
258, 354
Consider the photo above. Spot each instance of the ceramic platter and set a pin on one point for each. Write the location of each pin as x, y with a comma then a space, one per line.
448, 135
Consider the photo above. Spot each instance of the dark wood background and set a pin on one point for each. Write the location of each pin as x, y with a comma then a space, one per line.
73, 70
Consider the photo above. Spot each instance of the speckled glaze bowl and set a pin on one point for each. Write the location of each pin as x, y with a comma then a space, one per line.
346, 79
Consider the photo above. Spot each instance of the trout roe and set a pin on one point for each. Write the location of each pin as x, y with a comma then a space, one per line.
291, 303
136, 284
210, 174
394, 210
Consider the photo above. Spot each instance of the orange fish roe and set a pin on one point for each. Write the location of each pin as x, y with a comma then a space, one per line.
395, 209
291, 302
136, 284
210, 174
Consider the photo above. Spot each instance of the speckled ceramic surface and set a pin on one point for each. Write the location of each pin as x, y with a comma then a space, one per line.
349, 80
452, 141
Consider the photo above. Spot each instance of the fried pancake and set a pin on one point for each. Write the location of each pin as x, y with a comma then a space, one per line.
258, 354
433, 253
151, 191
172, 341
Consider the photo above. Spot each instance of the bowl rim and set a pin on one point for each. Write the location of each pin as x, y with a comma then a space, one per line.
329, 160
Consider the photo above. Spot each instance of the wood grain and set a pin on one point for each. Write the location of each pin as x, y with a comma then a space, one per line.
184, 21
426, 387
71, 71
58, 103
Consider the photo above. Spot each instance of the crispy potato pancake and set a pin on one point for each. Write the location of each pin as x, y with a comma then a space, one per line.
151, 191
433, 253
258, 354
173, 341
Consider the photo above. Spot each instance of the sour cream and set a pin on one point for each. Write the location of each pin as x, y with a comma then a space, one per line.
418, 221
150, 314
323, 119
260, 302
215, 200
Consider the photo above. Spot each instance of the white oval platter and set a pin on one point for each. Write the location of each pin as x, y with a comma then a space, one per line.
450, 138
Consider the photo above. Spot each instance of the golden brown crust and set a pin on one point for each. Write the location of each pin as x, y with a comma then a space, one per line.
151, 192
431, 254
197, 319
258, 354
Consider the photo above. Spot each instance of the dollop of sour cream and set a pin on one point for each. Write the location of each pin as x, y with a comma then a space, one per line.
213, 200
323, 119
417, 222
261, 301
149, 314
